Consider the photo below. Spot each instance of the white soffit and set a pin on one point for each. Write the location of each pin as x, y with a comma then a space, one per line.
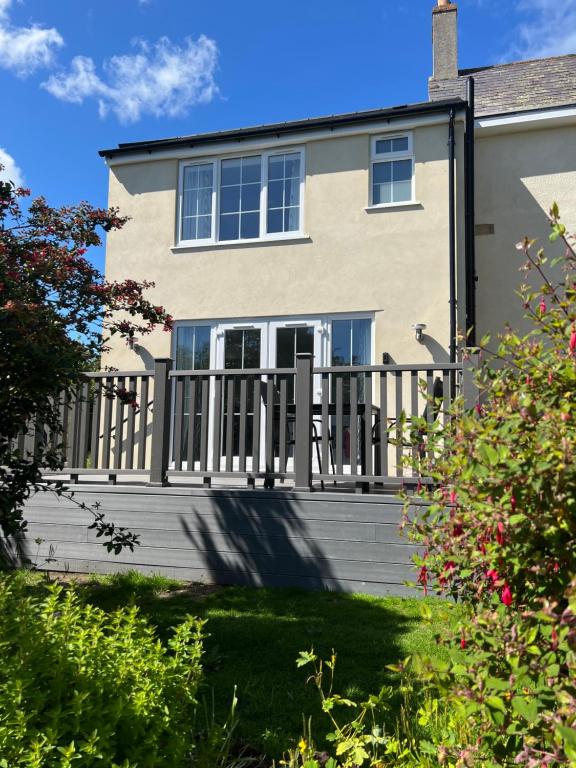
526, 121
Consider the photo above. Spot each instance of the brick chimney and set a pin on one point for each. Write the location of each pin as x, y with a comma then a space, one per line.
445, 40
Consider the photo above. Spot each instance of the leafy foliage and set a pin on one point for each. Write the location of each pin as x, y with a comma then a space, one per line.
82, 687
57, 314
500, 532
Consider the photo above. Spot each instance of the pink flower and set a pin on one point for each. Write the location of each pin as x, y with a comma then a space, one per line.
423, 578
542, 307
453, 496
493, 576
507, 595
572, 340
500, 533
462, 641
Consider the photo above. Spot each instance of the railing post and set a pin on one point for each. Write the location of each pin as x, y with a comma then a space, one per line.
470, 391
303, 437
160, 453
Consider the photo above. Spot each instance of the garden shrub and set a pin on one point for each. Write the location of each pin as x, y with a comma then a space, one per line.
500, 533
81, 687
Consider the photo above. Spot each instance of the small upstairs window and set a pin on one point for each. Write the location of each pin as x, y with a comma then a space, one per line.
392, 170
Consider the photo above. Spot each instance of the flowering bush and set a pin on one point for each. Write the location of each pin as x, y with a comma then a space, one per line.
499, 533
57, 313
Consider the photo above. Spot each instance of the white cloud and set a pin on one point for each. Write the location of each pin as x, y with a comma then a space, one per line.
25, 49
550, 29
10, 172
160, 79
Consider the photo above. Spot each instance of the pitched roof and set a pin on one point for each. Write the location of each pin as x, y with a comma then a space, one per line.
515, 87
329, 122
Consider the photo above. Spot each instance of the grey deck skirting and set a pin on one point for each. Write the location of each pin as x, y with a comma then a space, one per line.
332, 541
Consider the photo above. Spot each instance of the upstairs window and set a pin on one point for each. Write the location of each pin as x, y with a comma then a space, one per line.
236, 199
392, 170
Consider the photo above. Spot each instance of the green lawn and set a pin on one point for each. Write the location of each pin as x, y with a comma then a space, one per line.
255, 636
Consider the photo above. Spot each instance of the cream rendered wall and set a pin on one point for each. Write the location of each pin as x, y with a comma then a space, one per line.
519, 175
393, 262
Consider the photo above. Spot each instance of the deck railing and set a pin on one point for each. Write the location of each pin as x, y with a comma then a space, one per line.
309, 426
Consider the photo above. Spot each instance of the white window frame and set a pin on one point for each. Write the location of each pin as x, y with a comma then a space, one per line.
216, 163
382, 157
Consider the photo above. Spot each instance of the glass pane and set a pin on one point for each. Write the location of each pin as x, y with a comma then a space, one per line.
276, 167
292, 169
402, 191
251, 169
205, 173
381, 173
190, 177
230, 199
402, 170
381, 193
400, 145
292, 196
251, 348
341, 331
205, 201
189, 228
204, 227
286, 347
361, 343
190, 202
202, 348
230, 227
383, 146
275, 194
233, 349
291, 219
250, 197
185, 347
305, 339
230, 172
275, 221
250, 225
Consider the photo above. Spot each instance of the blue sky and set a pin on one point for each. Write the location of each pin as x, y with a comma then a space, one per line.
81, 75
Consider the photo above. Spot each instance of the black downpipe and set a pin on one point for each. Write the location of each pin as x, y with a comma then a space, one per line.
470, 216
452, 229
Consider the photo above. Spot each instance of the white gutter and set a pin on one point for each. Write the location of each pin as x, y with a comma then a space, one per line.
290, 139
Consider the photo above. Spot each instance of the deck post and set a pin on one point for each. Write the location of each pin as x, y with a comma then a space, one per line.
160, 453
303, 437
470, 391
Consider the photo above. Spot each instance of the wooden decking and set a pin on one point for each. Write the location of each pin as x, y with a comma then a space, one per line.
316, 540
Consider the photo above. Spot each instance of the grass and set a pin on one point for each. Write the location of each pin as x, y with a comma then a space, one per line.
255, 635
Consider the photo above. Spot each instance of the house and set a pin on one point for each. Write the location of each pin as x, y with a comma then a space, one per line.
338, 235
362, 238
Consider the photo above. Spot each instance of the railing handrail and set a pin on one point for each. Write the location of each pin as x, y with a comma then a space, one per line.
116, 374
234, 372
424, 367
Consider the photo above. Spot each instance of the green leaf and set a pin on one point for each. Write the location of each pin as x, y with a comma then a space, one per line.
526, 708
494, 702
305, 657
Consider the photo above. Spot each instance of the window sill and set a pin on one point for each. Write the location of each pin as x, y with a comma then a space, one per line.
388, 206
259, 241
